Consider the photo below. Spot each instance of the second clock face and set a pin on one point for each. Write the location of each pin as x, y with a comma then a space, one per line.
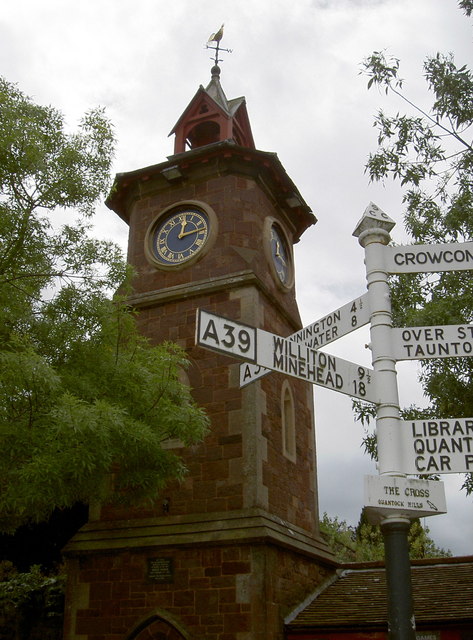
281, 255
180, 236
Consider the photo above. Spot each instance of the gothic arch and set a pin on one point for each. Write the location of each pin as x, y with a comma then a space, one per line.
158, 626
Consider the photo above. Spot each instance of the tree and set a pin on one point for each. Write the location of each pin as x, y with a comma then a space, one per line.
82, 394
340, 537
364, 543
31, 603
430, 152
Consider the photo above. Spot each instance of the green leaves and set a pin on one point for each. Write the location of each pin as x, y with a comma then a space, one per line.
85, 402
364, 543
43, 166
452, 88
408, 149
31, 593
431, 155
42, 169
467, 6
382, 72
107, 404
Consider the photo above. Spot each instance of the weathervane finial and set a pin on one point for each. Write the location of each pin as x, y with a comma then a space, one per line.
216, 37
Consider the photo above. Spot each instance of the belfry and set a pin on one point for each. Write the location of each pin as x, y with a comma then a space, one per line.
232, 549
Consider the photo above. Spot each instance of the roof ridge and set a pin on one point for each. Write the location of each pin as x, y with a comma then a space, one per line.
416, 562
441, 565
345, 571
456, 560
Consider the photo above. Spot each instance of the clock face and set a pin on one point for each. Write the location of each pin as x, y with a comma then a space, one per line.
180, 236
281, 256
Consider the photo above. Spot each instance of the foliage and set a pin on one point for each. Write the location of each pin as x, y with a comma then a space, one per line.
82, 394
31, 602
429, 152
340, 537
20, 589
467, 6
364, 543
366, 413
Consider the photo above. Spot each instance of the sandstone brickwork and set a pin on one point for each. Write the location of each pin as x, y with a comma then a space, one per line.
238, 539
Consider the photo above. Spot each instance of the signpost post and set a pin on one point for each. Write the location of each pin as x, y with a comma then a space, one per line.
372, 232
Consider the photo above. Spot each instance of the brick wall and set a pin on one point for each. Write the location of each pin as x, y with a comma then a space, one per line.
244, 447
241, 530
239, 592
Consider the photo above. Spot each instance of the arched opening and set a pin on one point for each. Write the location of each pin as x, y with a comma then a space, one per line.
204, 133
288, 422
156, 627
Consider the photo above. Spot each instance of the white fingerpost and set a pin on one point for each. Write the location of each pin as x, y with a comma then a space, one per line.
372, 232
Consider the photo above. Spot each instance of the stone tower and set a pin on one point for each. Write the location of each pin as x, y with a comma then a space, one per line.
236, 545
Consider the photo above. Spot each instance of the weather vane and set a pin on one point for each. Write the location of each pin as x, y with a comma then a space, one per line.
216, 37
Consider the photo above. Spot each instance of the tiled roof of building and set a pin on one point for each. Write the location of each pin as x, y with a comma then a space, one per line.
356, 596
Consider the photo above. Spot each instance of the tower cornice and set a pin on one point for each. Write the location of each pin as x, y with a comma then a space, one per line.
219, 159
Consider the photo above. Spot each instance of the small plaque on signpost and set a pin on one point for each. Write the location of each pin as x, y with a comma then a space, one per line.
408, 497
161, 570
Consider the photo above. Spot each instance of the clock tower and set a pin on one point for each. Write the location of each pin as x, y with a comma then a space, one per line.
229, 551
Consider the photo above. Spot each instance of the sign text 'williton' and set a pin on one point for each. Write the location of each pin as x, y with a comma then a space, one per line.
331, 327
273, 352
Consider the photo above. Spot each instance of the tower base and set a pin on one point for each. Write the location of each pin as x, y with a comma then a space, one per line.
229, 578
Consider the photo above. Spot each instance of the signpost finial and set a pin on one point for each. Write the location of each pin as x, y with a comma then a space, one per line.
373, 218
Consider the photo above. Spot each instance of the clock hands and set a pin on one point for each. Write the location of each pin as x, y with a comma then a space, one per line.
183, 226
183, 233
278, 255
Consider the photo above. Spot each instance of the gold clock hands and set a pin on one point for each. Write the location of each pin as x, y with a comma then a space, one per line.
186, 233
278, 255
183, 226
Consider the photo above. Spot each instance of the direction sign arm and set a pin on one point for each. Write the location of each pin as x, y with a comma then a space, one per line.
338, 323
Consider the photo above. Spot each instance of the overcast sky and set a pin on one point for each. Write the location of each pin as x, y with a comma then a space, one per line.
297, 63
